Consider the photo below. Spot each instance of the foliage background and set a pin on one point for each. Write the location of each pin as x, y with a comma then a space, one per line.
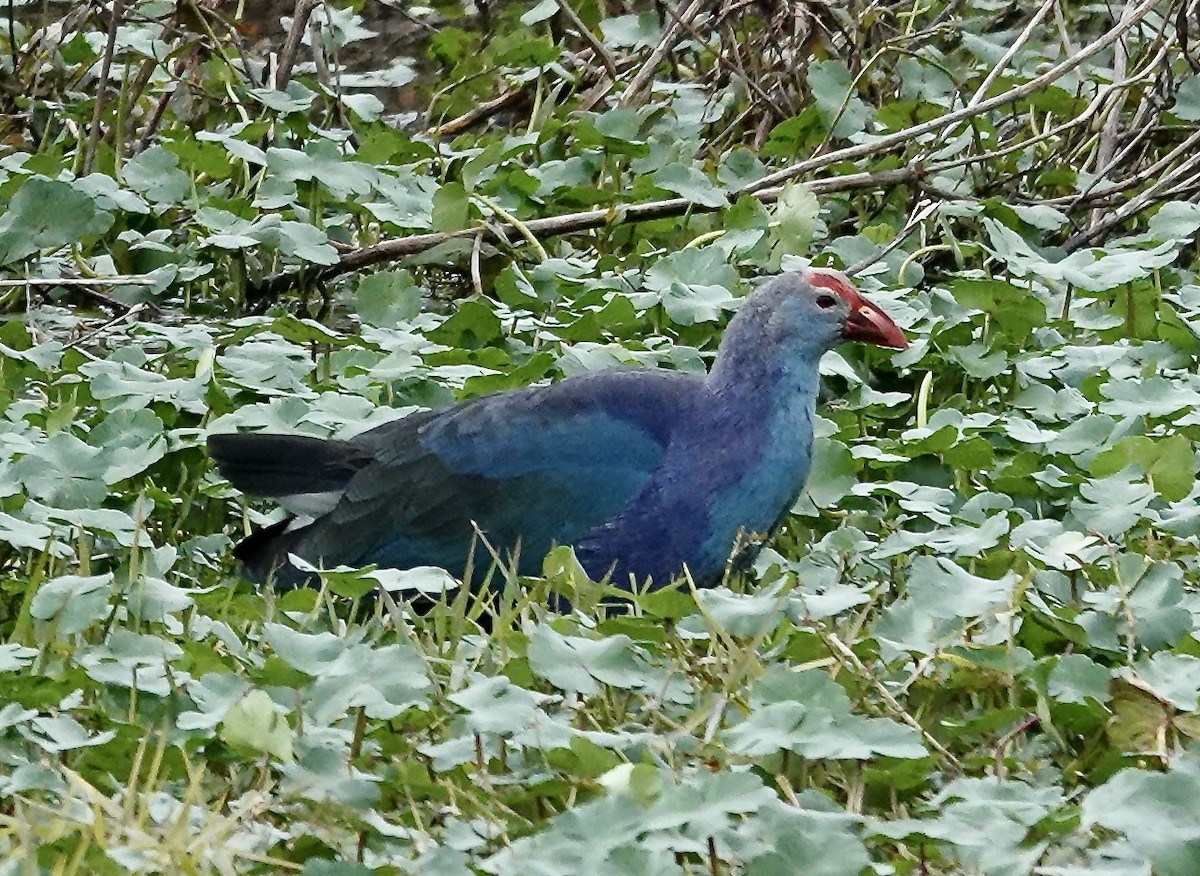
971, 648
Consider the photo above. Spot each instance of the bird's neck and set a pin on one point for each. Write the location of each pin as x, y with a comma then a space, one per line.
752, 365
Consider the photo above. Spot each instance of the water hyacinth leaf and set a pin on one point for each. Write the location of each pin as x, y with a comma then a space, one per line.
62, 733
151, 596
1173, 678
692, 285
1170, 463
496, 705
135, 661
14, 657
815, 733
1157, 600
809, 714
833, 473
795, 218
388, 298
1111, 506
72, 602
839, 106
323, 775
256, 723
214, 695
64, 471
451, 208
631, 31
1015, 309
738, 614
1151, 397
34, 536
155, 174
687, 182
812, 836
322, 164
132, 441
1155, 812
384, 681
1076, 678
702, 804
573, 663
986, 821
45, 214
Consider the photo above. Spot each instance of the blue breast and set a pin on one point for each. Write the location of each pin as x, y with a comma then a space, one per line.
736, 466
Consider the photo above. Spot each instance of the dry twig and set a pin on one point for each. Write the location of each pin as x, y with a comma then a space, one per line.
291, 46
93, 142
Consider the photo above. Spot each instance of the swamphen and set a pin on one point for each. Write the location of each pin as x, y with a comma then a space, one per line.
643, 471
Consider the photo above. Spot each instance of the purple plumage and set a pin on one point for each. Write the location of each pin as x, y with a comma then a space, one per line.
644, 472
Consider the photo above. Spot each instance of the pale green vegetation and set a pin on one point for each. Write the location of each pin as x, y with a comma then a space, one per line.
971, 648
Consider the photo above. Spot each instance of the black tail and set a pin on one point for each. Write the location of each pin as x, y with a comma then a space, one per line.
263, 555
288, 468
284, 465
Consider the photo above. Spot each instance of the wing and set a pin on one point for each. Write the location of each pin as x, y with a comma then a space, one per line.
530, 467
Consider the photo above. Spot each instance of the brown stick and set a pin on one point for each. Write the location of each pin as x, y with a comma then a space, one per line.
602, 52
485, 110
554, 226
901, 138
633, 92
1112, 123
93, 142
291, 46
1152, 195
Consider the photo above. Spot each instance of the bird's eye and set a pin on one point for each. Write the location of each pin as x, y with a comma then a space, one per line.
826, 301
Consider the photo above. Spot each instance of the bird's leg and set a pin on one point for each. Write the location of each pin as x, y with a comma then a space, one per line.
746, 546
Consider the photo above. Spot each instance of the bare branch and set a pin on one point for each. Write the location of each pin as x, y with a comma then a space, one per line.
904, 137
552, 226
114, 22
602, 52
645, 75
291, 46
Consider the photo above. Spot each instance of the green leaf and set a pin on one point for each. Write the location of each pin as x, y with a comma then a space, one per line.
1187, 100
831, 86
540, 12
155, 173
814, 721
255, 723
382, 681
73, 602
1155, 811
832, 473
388, 298
794, 218
45, 214
574, 663
692, 285
1170, 462
472, 326
687, 182
497, 706
322, 164
1076, 678
451, 208
639, 31
1173, 678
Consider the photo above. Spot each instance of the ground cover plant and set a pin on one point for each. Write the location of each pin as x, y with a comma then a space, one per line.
969, 650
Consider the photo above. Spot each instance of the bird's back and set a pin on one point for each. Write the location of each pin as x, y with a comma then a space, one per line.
523, 469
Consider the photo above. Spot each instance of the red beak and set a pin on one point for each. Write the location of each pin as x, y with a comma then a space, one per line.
865, 322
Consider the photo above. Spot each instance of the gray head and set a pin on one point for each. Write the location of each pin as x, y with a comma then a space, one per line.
806, 313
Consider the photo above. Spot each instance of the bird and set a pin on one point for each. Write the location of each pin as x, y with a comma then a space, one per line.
648, 474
